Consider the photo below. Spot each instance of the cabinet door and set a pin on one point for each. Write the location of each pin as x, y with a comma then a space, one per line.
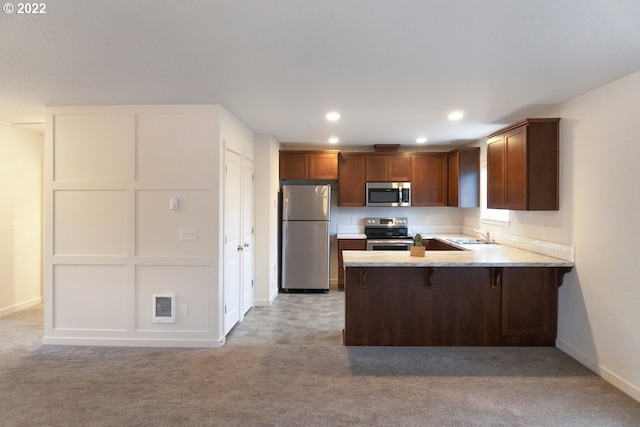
377, 167
345, 245
529, 303
495, 172
453, 174
399, 167
323, 166
380, 314
466, 309
515, 172
351, 179
294, 166
428, 179
463, 177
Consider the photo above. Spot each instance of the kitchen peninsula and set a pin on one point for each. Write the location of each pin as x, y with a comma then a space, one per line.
478, 295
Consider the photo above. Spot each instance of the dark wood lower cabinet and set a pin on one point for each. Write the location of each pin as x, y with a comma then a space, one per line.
345, 245
452, 306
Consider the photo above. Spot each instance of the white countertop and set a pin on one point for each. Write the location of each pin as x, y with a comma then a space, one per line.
345, 236
474, 255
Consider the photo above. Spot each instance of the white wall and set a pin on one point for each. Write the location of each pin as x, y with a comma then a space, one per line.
599, 211
111, 240
20, 218
266, 237
598, 313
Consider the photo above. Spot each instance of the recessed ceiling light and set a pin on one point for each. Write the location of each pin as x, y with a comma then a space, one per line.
421, 140
333, 140
333, 116
456, 115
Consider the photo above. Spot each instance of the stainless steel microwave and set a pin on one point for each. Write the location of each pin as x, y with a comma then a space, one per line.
388, 193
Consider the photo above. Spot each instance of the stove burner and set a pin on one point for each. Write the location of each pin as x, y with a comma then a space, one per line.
386, 228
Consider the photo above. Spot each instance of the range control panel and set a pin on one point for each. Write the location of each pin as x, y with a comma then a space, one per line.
389, 222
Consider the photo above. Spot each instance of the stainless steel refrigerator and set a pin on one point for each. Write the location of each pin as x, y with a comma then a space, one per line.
305, 237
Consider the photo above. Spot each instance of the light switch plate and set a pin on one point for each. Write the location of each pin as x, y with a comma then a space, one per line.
174, 204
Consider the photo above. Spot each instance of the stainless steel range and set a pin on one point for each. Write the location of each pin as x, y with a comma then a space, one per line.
387, 234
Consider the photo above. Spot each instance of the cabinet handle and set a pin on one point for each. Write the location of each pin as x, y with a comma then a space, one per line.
246, 245
428, 274
239, 247
363, 278
496, 277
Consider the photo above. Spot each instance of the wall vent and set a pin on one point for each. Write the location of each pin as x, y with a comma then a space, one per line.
164, 308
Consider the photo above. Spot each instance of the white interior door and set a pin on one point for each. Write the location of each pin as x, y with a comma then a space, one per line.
233, 246
248, 186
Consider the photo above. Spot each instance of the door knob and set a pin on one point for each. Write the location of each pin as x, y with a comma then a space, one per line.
246, 245
239, 247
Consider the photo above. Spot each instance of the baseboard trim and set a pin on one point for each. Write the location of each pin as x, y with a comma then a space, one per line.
606, 374
20, 306
263, 302
132, 342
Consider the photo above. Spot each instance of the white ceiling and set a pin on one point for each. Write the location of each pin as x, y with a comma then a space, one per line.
393, 68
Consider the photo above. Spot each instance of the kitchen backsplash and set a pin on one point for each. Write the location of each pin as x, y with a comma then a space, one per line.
555, 250
543, 247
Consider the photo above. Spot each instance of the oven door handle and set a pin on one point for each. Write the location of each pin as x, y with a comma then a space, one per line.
371, 244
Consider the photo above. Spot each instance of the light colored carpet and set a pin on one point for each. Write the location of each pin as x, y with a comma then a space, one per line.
277, 377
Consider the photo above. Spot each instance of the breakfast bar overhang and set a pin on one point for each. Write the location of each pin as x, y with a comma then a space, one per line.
497, 296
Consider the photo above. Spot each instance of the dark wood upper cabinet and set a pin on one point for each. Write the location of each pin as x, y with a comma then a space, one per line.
294, 165
463, 177
389, 167
437, 178
523, 166
351, 182
495, 172
516, 173
429, 179
303, 165
376, 167
400, 167
323, 166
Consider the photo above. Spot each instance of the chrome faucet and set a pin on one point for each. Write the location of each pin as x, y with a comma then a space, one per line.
486, 237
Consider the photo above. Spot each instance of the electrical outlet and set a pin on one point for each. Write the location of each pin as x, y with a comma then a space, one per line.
184, 310
188, 234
